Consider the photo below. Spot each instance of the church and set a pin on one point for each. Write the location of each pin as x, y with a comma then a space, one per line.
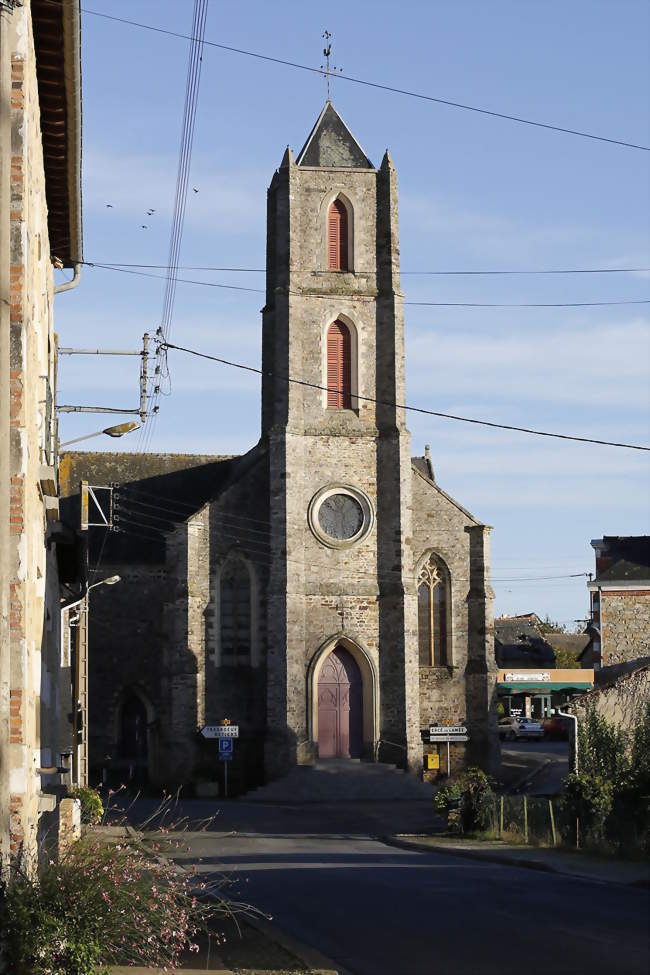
320, 591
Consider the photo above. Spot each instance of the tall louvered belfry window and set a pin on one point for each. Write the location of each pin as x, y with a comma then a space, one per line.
339, 367
337, 236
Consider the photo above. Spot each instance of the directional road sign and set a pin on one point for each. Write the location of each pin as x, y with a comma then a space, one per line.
220, 731
452, 738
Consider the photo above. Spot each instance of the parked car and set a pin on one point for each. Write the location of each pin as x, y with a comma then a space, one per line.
518, 728
556, 728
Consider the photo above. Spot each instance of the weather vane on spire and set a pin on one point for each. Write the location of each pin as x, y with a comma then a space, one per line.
327, 50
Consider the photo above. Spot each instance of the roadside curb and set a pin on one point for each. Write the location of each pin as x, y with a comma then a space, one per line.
489, 856
468, 854
316, 962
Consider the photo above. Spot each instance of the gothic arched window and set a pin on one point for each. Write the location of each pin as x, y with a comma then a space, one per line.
235, 613
339, 366
337, 236
433, 605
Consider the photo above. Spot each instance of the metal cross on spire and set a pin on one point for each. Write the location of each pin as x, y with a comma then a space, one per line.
327, 50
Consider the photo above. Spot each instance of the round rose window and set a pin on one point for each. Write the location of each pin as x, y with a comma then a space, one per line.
340, 516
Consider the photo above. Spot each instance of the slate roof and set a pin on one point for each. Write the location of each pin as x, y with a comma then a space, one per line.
331, 144
156, 493
630, 557
422, 465
517, 639
573, 643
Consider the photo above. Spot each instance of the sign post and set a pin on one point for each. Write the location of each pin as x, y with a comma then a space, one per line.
225, 756
448, 733
225, 733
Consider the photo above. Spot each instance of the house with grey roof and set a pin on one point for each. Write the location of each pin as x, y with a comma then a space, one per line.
620, 601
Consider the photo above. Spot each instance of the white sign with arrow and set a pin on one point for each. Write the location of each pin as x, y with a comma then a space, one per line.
220, 731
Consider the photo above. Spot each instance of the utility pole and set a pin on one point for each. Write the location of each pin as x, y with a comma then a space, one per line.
141, 409
143, 377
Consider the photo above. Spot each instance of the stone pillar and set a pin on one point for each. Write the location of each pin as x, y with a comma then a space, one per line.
398, 647
69, 824
481, 671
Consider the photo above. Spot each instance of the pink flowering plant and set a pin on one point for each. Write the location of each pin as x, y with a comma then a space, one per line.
106, 903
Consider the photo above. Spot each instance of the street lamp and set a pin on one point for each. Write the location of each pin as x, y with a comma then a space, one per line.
117, 431
70, 604
110, 581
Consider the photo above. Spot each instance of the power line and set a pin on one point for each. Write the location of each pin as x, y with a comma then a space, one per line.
261, 270
372, 84
573, 575
192, 84
428, 304
413, 409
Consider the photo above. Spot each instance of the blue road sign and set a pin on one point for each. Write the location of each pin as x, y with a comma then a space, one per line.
225, 749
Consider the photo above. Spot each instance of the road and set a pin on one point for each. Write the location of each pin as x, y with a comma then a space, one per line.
377, 910
519, 757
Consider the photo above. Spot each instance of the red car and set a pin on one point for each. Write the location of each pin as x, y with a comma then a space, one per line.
556, 728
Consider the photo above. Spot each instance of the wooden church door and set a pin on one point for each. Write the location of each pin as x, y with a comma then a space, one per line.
340, 721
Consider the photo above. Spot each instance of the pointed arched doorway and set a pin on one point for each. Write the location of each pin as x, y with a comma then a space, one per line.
340, 706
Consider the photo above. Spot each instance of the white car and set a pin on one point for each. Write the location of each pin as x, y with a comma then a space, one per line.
516, 728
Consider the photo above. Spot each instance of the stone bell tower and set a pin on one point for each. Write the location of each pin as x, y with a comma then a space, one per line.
339, 454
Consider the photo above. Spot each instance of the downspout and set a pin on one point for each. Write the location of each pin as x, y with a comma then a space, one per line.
72, 283
5, 467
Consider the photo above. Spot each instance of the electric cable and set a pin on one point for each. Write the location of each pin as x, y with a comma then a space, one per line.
261, 270
235, 521
256, 552
412, 409
192, 85
358, 297
376, 85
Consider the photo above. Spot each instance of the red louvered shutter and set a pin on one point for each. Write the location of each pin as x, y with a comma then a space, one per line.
337, 237
339, 367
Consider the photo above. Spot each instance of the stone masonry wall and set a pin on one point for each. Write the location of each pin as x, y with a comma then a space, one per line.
625, 625
317, 592
622, 702
34, 616
465, 690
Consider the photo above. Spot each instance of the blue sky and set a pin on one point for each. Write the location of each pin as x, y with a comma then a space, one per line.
475, 193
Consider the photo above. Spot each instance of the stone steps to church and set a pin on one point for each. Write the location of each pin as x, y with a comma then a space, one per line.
343, 781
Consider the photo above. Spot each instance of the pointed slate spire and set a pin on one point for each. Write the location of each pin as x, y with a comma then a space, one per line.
287, 159
331, 144
387, 162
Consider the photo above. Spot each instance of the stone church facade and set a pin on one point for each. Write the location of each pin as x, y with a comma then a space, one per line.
320, 591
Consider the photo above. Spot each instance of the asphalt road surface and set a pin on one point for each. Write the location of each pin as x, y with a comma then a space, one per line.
377, 910
519, 757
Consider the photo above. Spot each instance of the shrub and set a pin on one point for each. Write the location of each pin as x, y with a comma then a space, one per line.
603, 749
92, 807
467, 801
588, 798
100, 905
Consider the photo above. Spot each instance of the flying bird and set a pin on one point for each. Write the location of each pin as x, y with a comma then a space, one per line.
149, 212
195, 189
143, 226
109, 206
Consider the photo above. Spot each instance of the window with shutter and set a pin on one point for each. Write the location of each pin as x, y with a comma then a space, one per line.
339, 367
337, 236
